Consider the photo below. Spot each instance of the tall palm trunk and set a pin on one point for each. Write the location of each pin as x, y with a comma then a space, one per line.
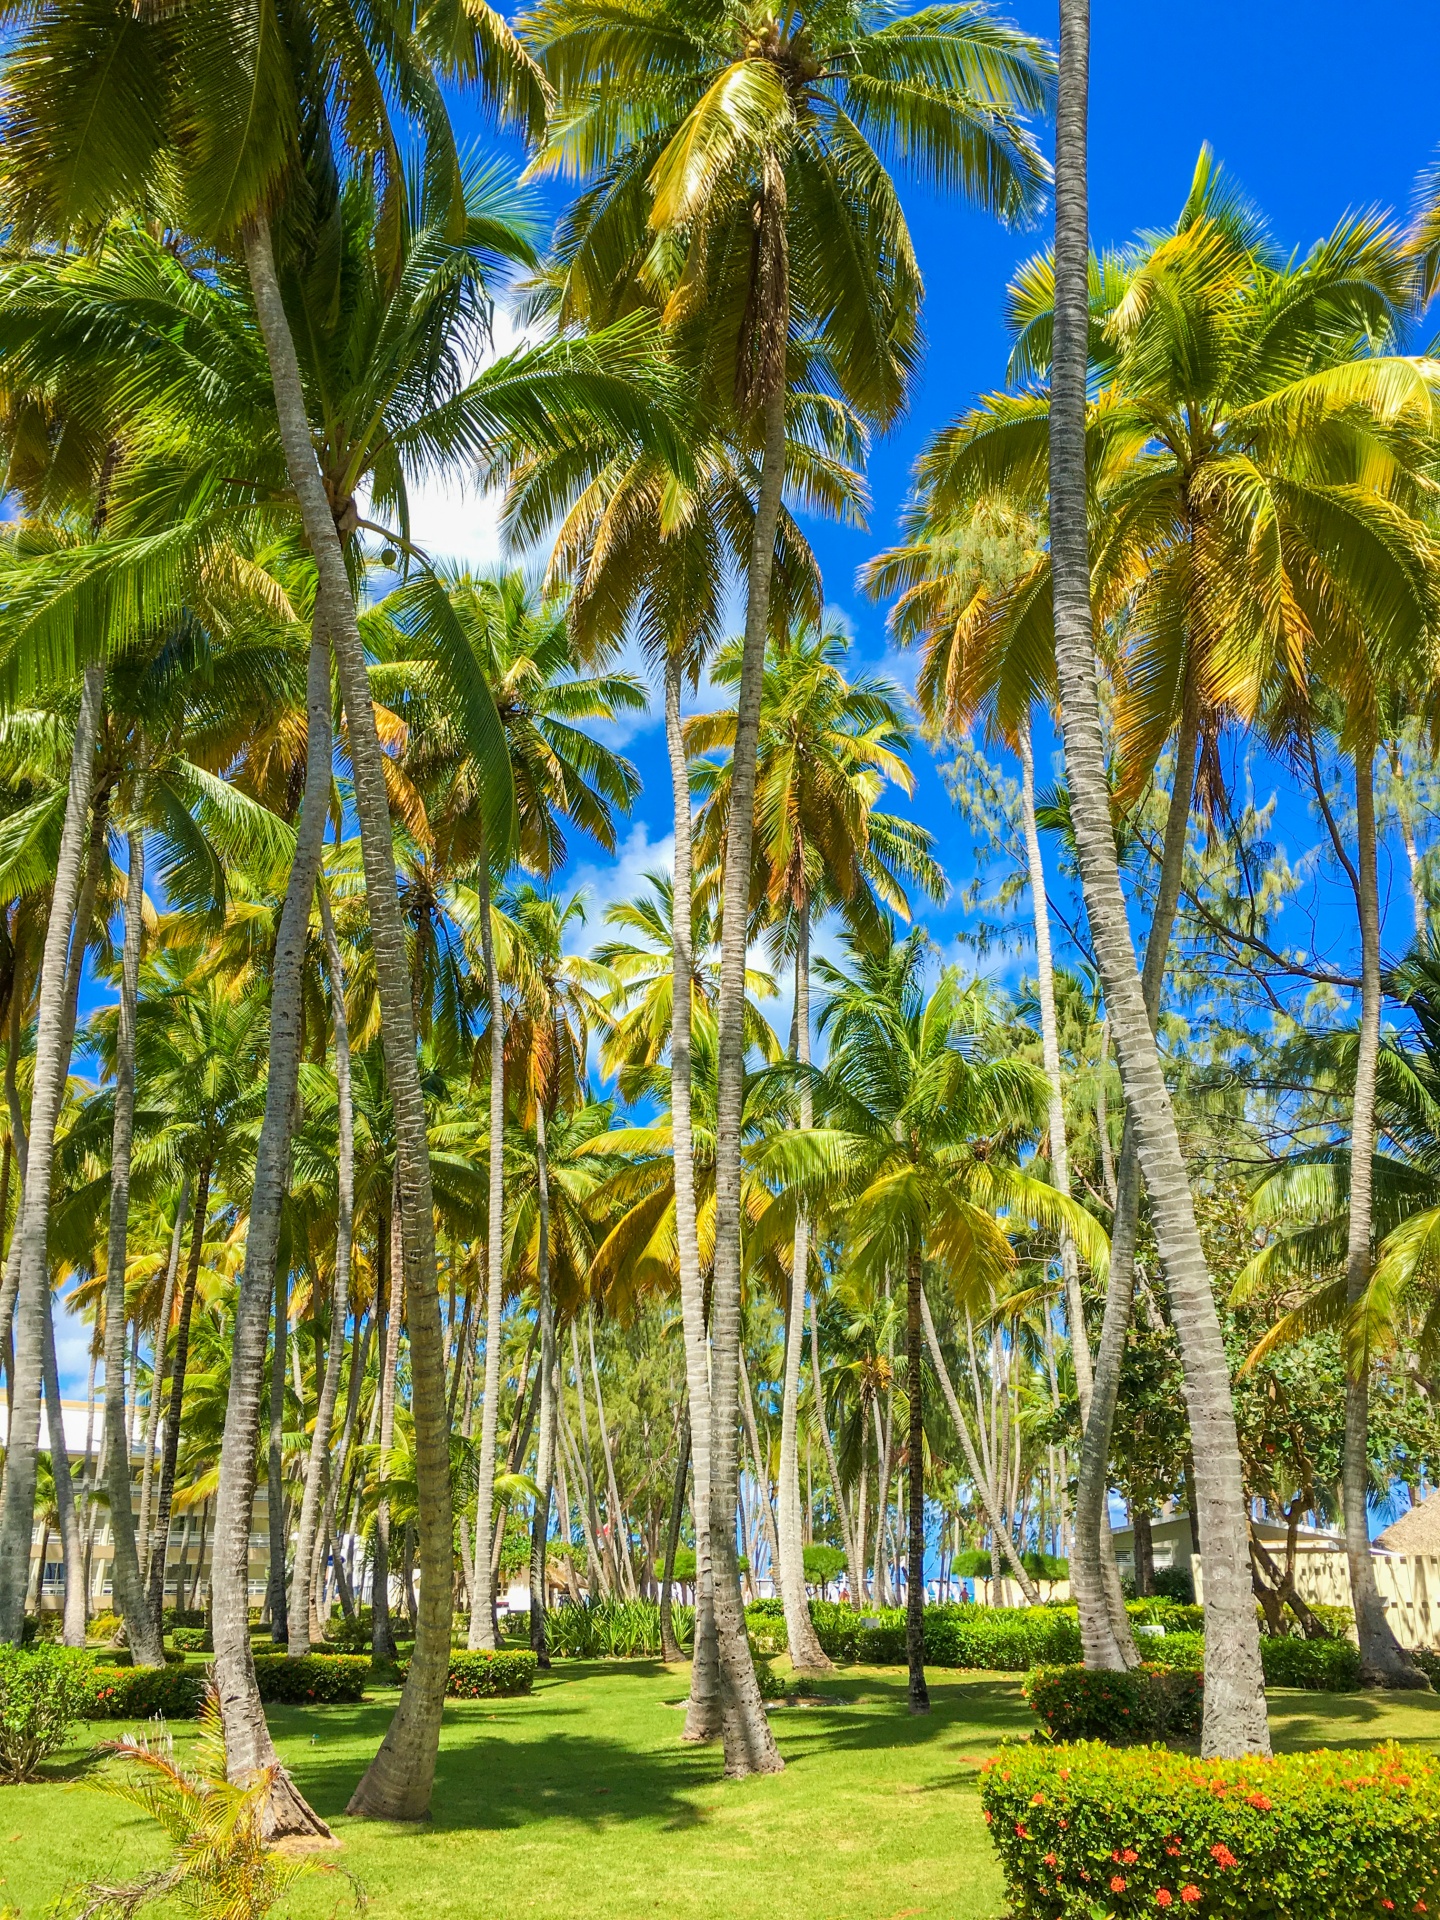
854, 1553
545, 1450
317, 1473
157, 1387
915, 1450
248, 1747
145, 1643
275, 1501
1383, 1659
382, 1632
482, 1593
806, 1652
1234, 1686
166, 1492
702, 1713
398, 1782
670, 1649
17, 1503
984, 1488
749, 1743
619, 1526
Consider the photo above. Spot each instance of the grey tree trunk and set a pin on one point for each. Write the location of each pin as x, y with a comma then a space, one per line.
670, 1649
919, 1693
318, 1477
157, 1385
248, 1746
702, 1714
145, 1643
17, 1503
854, 1556
806, 1653
382, 1631
166, 1492
72, 1543
619, 1526
398, 1783
482, 1593
1235, 1720
749, 1743
275, 1500
545, 1450
1383, 1660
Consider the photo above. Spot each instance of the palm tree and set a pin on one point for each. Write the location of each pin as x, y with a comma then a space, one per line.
741, 173
827, 748
1234, 1686
918, 1145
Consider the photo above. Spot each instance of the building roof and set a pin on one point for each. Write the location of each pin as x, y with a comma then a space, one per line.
1417, 1531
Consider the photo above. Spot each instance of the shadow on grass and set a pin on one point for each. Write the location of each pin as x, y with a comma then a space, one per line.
872, 1716
1341, 1719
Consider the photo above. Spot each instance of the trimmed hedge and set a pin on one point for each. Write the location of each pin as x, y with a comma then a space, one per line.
315, 1679
993, 1639
192, 1640
1149, 1702
1306, 1836
490, 1676
1324, 1666
139, 1693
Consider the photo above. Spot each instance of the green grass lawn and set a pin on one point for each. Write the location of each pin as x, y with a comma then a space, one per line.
581, 1801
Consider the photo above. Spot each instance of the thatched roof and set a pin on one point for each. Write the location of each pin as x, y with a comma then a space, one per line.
1417, 1531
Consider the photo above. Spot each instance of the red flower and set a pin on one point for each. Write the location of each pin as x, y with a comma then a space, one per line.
1259, 1800
1164, 1897
1174, 1852
1052, 1860
1222, 1855
1037, 1799
989, 1817
1388, 1903
1020, 1828
1064, 1824
1117, 1883
1190, 1895
1129, 1856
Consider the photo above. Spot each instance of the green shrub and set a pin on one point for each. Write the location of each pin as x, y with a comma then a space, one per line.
192, 1640
44, 1626
1175, 1583
489, 1676
1306, 1836
1174, 1650
991, 1639
42, 1695
173, 1617
1075, 1703
1325, 1666
1048, 1567
315, 1679
612, 1629
104, 1627
823, 1564
1173, 1615
139, 1693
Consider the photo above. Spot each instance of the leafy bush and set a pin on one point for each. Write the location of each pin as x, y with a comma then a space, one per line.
173, 1617
612, 1629
1326, 1666
44, 1626
104, 1627
1174, 1650
489, 1676
1049, 1567
1306, 1836
1173, 1615
139, 1693
192, 1640
1148, 1702
1175, 1583
823, 1564
993, 1639
42, 1695
315, 1679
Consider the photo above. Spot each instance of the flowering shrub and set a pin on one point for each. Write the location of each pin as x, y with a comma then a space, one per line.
42, 1694
139, 1693
1306, 1836
995, 1639
192, 1640
1149, 1702
487, 1676
314, 1679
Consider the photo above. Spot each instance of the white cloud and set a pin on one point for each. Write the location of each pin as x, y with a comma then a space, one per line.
616, 877
72, 1351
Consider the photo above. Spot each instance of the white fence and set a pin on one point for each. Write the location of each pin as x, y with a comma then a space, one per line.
1409, 1586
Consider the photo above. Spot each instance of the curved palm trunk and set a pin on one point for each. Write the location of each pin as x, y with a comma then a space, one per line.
397, 1785
915, 1450
1234, 1686
145, 1644
382, 1631
275, 1502
166, 1493
545, 1385
853, 1554
806, 1652
1384, 1660
670, 1649
17, 1504
749, 1743
702, 1714
482, 1593
317, 1475
67, 1518
157, 1384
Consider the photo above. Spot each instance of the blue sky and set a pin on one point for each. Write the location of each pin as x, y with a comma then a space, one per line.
1275, 90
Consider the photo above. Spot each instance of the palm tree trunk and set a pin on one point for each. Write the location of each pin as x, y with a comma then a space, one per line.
915, 1449
1384, 1660
1234, 1686
842, 1511
586, 1470
619, 1526
985, 1492
129, 1593
382, 1632
166, 1493
545, 1451
749, 1743
482, 1593
317, 1473
72, 1544
157, 1392
397, 1785
702, 1713
17, 1503
670, 1650
248, 1746
806, 1653
762, 1478
275, 1501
